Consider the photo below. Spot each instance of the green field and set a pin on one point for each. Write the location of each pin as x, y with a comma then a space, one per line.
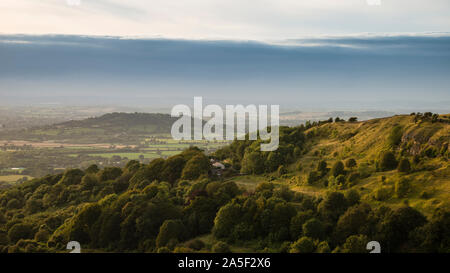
13, 178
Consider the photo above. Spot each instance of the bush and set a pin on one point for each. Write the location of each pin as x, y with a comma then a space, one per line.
42, 236
252, 163
404, 166
303, 245
93, 169
313, 176
314, 228
350, 163
395, 137
323, 247
297, 222
33, 205
71, 177
364, 170
398, 225
387, 161
170, 229
226, 218
355, 244
352, 197
13, 204
109, 173
195, 167
337, 169
332, 206
89, 181
20, 231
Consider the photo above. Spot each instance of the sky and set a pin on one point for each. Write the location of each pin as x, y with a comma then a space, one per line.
220, 19
312, 55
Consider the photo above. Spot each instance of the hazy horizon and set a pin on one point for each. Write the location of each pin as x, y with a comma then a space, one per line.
365, 73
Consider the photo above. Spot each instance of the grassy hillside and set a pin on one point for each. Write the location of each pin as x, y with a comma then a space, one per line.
331, 186
423, 143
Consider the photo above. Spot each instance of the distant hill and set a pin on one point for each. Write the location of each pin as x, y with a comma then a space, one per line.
108, 128
120, 122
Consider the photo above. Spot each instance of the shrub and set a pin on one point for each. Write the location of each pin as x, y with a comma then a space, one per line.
395, 136
332, 206
33, 205
398, 225
226, 218
314, 228
303, 245
195, 167
170, 229
323, 247
352, 197
337, 169
13, 204
71, 177
20, 231
252, 163
297, 222
89, 181
404, 166
109, 173
93, 169
350, 163
313, 176
387, 161
355, 244
42, 236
